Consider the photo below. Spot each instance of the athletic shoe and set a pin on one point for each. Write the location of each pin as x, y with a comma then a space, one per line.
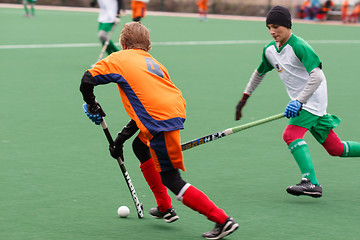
169, 216
305, 187
222, 230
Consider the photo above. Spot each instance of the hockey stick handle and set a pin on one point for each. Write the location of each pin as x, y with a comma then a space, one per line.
138, 204
226, 132
107, 132
258, 122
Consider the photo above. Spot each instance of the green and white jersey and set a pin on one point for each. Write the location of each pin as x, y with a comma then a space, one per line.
294, 61
108, 11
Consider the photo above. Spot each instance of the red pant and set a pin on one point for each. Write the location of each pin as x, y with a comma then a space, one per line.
332, 144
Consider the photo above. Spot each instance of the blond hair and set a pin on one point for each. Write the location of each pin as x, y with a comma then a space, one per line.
134, 35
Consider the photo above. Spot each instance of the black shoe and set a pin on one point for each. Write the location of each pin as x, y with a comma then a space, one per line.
169, 216
222, 230
305, 187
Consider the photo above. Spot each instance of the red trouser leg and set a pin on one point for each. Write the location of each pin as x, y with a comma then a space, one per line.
293, 132
333, 144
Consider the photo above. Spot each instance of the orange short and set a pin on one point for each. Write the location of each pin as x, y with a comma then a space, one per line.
165, 149
138, 9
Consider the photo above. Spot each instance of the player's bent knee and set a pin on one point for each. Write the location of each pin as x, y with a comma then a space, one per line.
333, 145
288, 137
334, 150
141, 151
292, 133
102, 35
173, 181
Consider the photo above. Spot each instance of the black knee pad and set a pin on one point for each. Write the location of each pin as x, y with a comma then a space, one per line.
172, 180
141, 151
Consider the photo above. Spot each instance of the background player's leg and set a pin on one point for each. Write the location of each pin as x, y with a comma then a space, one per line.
293, 136
26, 8
335, 147
351, 149
309, 184
105, 32
301, 153
33, 9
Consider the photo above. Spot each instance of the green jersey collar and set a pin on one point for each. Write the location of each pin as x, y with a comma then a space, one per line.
287, 42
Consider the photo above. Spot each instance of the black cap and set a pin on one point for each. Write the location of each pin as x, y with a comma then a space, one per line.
279, 15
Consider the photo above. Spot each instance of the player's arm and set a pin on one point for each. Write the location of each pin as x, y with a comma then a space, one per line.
313, 65
91, 108
294, 106
253, 83
314, 81
255, 79
127, 132
87, 88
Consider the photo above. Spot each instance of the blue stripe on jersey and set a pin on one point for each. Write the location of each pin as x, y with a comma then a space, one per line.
153, 126
108, 78
158, 144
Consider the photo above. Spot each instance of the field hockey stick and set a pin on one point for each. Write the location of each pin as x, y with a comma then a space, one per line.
138, 204
106, 44
226, 132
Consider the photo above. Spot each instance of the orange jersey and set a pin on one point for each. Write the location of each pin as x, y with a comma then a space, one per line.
202, 5
345, 7
138, 9
149, 96
356, 9
305, 4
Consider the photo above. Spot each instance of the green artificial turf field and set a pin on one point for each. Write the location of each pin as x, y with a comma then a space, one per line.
58, 181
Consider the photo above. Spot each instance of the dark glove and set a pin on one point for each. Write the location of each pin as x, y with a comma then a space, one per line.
94, 112
93, 3
240, 105
116, 151
127, 132
292, 109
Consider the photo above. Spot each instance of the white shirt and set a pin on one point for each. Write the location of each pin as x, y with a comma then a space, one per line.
293, 62
108, 11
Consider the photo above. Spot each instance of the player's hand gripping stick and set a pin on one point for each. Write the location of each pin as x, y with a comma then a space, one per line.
138, 204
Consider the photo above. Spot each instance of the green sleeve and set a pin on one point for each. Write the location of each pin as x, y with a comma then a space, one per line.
306, 55
265, 66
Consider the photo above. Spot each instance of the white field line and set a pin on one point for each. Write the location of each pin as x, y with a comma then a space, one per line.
186, 43
175, 14
64, 45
